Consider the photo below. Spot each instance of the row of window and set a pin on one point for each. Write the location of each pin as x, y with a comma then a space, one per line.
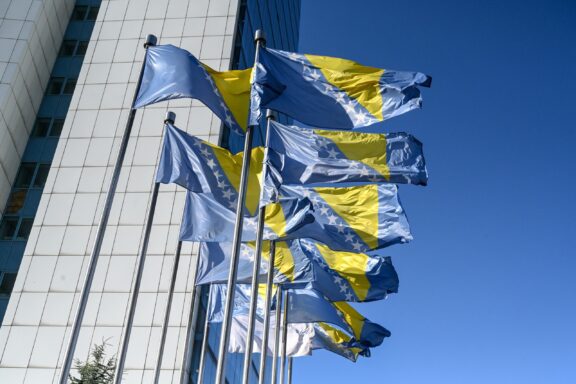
61, 86
15, 227
73, 48
85, 13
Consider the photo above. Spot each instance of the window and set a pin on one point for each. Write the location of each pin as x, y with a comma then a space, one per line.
82, 47
61, 86
7, 281
57, 125
41, 176
73, 48
24, 229
68, 47
92, 13
55, 85
69, 87
83, 12
25, 175
47, 127
15, 228
79, 12
41, 127
8, 227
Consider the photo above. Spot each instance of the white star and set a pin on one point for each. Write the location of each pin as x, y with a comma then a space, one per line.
222, 184
333, 154
229, 120
205, 152
217, 174
328, 88
211, 163
357, 246
364, 171
197, 143
232, 204
340, 97
374, 178
332, 219
315, 75
349, 107
349, 296
360, 118
353, 164
338, 280
324, 210
340, 228
349, 237
228, 194
224, 106
306, 193
343, 288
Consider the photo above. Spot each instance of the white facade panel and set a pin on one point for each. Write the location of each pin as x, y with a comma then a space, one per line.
46, 293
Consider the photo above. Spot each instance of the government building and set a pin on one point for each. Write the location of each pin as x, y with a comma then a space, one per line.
68, 72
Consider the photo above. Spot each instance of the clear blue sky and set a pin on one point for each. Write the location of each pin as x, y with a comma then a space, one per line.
488, 286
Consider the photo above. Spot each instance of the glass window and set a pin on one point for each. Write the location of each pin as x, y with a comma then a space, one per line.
68, 47
79, 12
82, 47
7, 282
16, 201
55, 85
41, 127
41, 175
25, 175
57, 125
69, 87
92, 13
24, 229
8, 227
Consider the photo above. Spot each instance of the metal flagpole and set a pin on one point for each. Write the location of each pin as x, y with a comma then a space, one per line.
267, 300
204, 346
93, 261
187, 355
167, 312
284, 336
170, 117
279, 295
290, 366
256, 271
225, 336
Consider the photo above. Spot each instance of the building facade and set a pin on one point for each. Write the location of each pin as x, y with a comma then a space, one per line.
66, 89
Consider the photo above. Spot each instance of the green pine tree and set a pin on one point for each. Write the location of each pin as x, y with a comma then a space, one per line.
96, 370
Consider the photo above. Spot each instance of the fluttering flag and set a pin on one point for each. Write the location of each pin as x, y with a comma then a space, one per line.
301, 156
202, 167
340, 276
173, 73
302, 338
330, 92
353, 219
206, 219
309, 306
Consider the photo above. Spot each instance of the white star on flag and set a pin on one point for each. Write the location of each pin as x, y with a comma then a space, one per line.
349, 237
228, 194
332, 219
333, 154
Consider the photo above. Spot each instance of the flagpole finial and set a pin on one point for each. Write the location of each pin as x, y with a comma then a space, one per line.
260, 36
151, 40
270, 114
170, 118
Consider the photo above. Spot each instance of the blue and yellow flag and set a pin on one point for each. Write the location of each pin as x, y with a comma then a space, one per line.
206, 219
301, 156
309, 306
202, 167
341, 329
340, 276
173, 73
329, 92
353, 219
